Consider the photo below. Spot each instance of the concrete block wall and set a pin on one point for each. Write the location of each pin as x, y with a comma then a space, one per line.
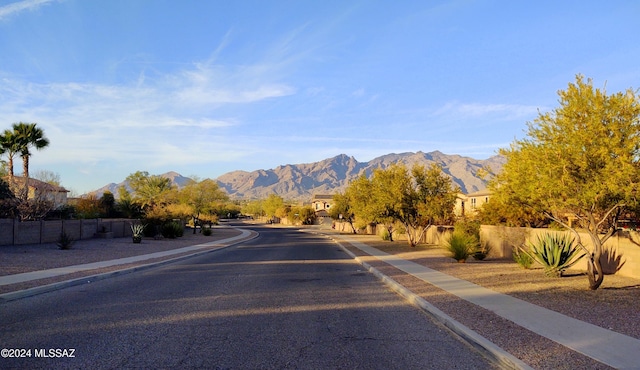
73, 228
6, 231
51, 231
13, 232
434, 235
120, 228
89, 228
27, 232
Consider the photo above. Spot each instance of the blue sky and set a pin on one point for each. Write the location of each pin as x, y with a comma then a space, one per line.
207, 87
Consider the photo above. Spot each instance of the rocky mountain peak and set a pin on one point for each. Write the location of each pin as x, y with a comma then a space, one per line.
331, 175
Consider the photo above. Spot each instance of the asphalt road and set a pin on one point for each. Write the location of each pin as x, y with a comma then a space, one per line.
286, 300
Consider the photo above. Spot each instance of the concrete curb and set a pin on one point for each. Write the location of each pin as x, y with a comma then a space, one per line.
12, 296
502, 358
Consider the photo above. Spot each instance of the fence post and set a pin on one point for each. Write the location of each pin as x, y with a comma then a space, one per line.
15, 231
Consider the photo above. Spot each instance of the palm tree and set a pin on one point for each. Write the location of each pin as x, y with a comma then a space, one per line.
23, 136
9, 145
28, 136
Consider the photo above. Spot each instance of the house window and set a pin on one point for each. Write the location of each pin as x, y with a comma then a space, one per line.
473, 203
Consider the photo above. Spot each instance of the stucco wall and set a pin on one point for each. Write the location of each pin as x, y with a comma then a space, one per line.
621, 255
434, 235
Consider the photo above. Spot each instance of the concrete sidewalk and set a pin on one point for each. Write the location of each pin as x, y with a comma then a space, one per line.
606, 346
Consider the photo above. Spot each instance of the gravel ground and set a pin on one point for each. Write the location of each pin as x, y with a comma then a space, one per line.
613, 306
15, 259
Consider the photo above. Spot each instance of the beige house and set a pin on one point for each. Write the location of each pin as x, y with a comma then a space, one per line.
468, 204
321, 204
40, 190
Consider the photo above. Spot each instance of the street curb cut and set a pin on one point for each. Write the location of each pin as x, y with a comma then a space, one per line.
12, 296
503, 358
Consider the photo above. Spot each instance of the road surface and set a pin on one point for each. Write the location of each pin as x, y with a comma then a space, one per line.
285, 300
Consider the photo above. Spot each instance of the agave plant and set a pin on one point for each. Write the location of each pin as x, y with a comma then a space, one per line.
137, 231
555, 253
65, 241
482, 251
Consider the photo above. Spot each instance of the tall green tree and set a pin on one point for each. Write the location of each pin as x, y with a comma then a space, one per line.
253, 208
273, 205
29, 135
359, 194
389, 191
8, 201
415, 199
151, 193
501, 210
301, 215
201, 197
125, 204
20, 141
88, 207
431, 201
107, 204
579, 165
9, 146
342, 209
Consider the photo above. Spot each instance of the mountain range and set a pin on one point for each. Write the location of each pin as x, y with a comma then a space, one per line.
302, 181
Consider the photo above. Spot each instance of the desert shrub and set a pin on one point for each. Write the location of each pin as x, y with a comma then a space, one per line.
460, 246
522, 258
471, 229
152, 229
385, 235
555, 252
65, 241
207, 231
172, 230
482, 251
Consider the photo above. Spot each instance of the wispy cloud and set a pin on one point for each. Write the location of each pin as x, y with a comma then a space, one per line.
168, 121
17, 7
209, 85
506, 111
209, 95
